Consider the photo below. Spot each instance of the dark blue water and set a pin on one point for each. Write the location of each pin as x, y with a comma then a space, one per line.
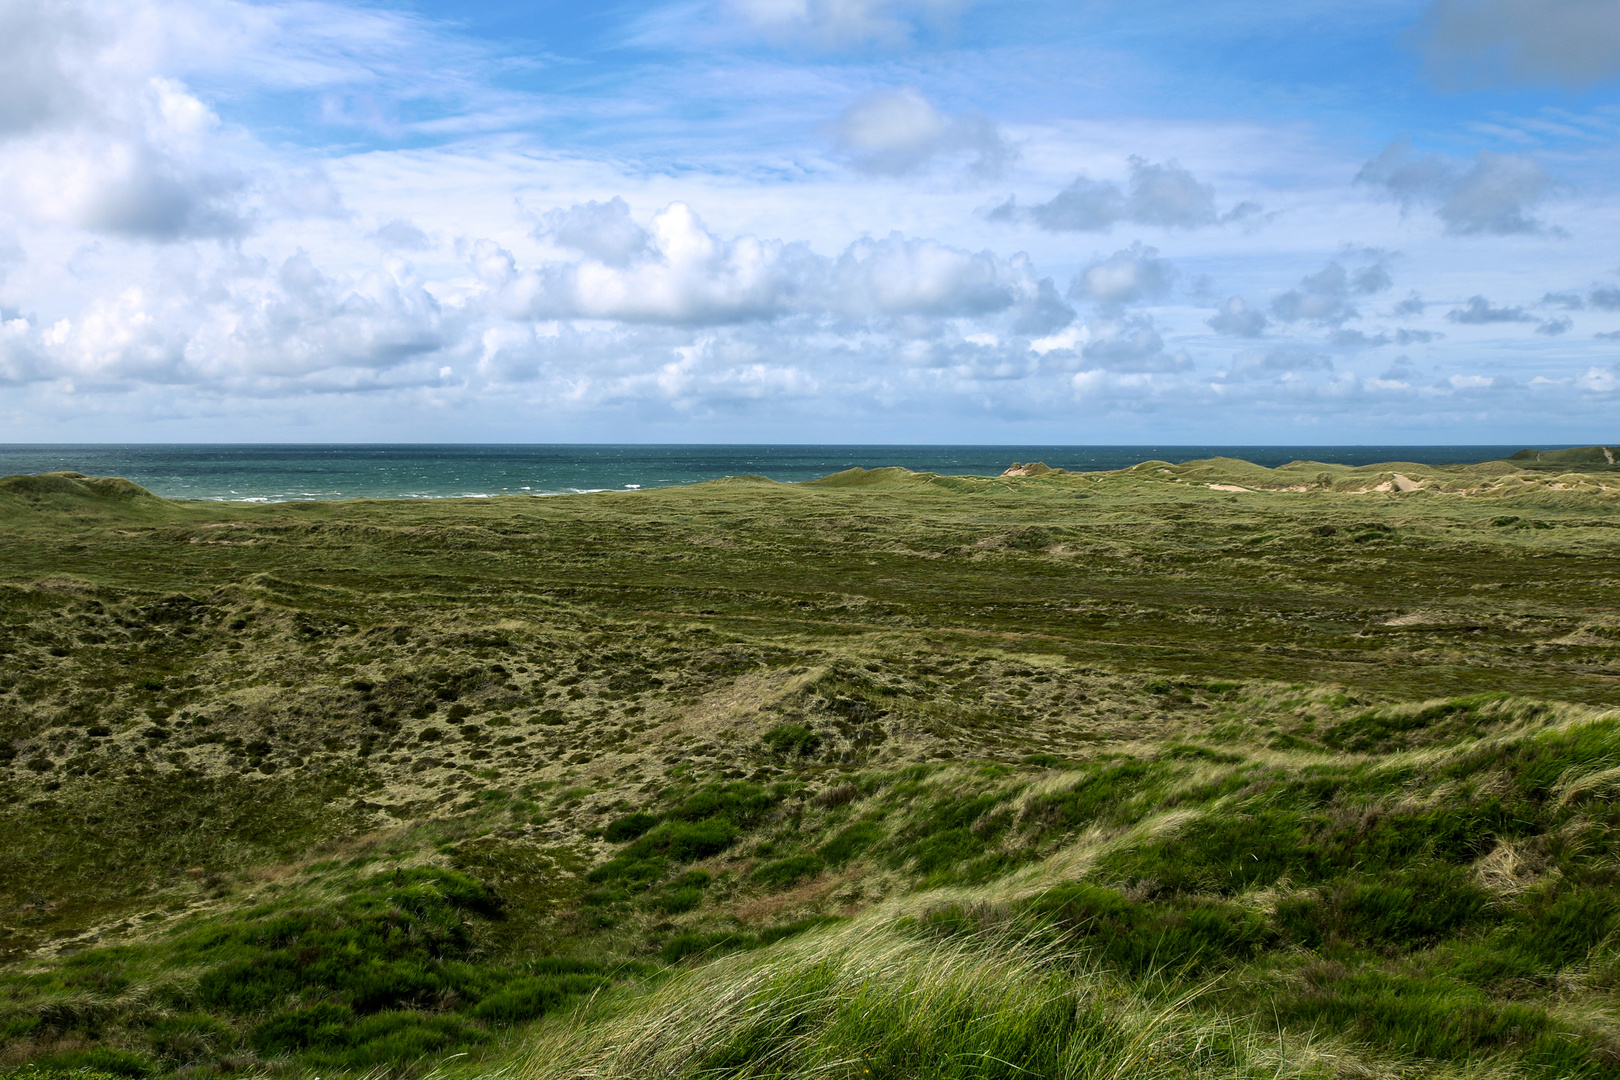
275, 473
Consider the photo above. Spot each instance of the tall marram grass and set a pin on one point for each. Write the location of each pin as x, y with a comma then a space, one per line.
875, 1002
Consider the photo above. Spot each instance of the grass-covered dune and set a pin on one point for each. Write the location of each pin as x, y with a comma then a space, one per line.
1194, 769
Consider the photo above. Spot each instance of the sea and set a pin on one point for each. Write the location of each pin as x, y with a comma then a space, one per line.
287, 472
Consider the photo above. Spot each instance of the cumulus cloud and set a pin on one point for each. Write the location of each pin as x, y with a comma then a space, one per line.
1599, 380
247, 326
1404, 336
11, 254
843, 23
1479, 311
894, 132
1238, 319
401, 235
1605, 297
1400, 370
1493, 195
676, 271
1553, 327
1128, 276
1574, 43
685, 274
1350, 339
603, 231
1412, 305
94, 135
898, 275
1569, 301
1164, 195
306, 320
1129, 343
1044, 313
20, 361
1281, 362
1326, 297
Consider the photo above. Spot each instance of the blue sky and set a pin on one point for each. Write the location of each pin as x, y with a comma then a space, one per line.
810, 220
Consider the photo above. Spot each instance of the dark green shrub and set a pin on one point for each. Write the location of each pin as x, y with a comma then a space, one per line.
1097, 797
681, 946
525, 999
740, 803
1384, 729
1225, 853
418, 886
622, 830
1147, 937
323, 1025
785, 872
1563, 928
189, 1038
397, 1037
772, 934
629, 870
851, 842
685, 842
1403, 907
792, 739
1440, 1018
98, 1060
675, 901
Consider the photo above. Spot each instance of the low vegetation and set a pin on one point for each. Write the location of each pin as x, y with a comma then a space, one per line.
1187, 770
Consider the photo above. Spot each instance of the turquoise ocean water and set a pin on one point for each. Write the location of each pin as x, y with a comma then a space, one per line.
277, 473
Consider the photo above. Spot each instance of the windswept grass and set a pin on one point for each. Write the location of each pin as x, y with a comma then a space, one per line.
863, 1000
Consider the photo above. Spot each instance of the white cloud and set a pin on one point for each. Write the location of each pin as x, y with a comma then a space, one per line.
901, 276
894, 132
1126, 277
1129, 343
1238, 319
1168, 195
401, 235
1326, 297
1575, 43
130, 335
677, 272
1405, 336
686, 274
1164, 195
255, 329
1493, 195
1479, 311
602, 230
1353, 340
19, 359
1412, 305
1599, 381
842, 23
93, 134
1283, 361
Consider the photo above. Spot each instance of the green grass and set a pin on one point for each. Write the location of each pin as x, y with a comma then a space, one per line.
771, 780
381, 970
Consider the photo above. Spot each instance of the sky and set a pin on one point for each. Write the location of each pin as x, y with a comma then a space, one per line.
897, 221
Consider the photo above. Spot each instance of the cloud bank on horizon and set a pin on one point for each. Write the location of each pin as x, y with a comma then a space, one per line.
810, 220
